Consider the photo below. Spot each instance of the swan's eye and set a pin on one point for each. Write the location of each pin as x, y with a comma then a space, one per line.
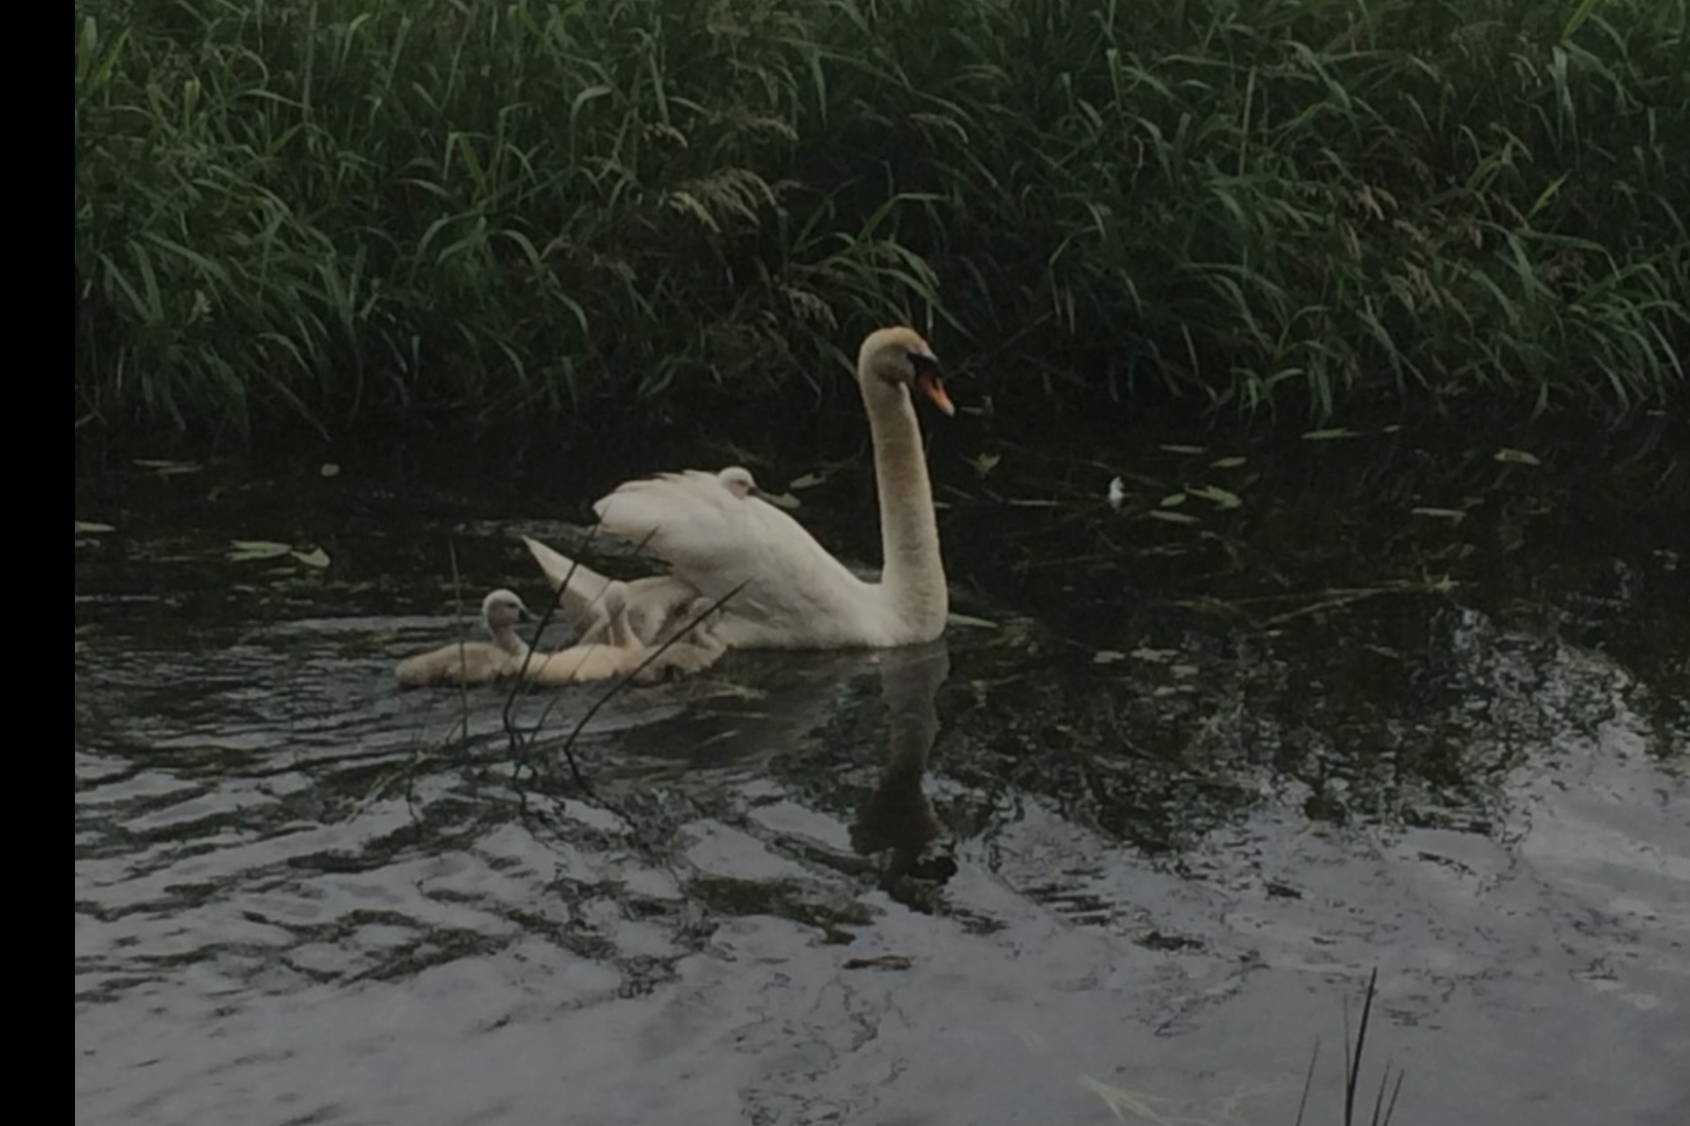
923, 364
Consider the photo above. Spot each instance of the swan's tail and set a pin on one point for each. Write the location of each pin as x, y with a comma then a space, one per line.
582, 587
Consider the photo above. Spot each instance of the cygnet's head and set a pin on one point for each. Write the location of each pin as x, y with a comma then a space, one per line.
738, 480
502, 609
614, 601
900, 357
705, 611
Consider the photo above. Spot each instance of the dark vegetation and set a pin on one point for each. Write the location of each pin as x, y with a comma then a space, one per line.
351, 211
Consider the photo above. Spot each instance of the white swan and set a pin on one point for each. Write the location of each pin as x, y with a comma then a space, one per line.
474, 662
783, 589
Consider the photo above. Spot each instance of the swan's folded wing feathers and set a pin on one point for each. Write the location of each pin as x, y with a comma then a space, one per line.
693, 522
721, 543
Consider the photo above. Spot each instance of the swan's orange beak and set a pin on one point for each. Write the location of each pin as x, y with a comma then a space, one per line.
927, 381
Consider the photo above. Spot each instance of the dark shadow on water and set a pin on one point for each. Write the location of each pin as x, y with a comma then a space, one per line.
1177, 779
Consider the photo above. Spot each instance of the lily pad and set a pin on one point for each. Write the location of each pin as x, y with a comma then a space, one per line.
1193, 450
1172, 500
329, 469
807, 481
243, 551
166, 468
1221, 497
1171, 517
1228, 462
316, 557
1517, 457
783, 500
1451, 514
1330, 434
956, 619
90, 528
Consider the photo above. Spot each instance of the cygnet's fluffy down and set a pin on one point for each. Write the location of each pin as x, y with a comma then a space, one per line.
474, 662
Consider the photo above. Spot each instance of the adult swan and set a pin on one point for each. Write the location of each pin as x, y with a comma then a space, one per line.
783, 589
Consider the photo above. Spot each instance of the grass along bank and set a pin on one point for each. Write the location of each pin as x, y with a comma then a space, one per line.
351, 208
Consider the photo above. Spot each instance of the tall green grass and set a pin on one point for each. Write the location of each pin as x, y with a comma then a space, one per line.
346, 208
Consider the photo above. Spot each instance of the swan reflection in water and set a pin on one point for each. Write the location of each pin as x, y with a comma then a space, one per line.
897, 818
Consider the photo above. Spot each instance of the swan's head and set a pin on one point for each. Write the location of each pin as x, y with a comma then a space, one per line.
900, 357
503, 609
738, 480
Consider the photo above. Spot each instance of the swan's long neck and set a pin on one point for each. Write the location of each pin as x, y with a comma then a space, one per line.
506, 638
914, 575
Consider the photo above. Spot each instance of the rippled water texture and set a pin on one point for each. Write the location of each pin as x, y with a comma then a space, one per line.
1127, 853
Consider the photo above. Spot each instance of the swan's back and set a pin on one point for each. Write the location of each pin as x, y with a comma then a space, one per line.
794, 594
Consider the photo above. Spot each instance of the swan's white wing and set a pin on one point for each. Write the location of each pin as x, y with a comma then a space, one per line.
581, 585
652, 602
791, 591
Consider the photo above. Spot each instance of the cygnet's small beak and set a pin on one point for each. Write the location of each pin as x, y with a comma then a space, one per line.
927, 381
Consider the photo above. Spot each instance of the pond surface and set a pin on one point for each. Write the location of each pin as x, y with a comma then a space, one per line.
1124, 847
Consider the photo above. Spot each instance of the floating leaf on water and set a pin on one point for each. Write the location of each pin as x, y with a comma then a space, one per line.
1441, 513
316, 557
1155, 656
1221, 497
1117, 494
783, 500
807, 481
166, 468
1518, 457
956, 619
1185, 449
1171, 517
1328, 435
1107, 656
329, 469
1228, 462
241, 551
1172, 500
1183, 670
89, 528
985, 463
1392, 428
1032, 502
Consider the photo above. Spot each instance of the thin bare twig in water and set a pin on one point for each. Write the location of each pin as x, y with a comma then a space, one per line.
513, 735
520, 746
1391, 1107
1308, 1082
623, 681
1352, 1061
463, 657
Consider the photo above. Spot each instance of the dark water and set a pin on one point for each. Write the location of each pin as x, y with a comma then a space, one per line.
1124, 854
